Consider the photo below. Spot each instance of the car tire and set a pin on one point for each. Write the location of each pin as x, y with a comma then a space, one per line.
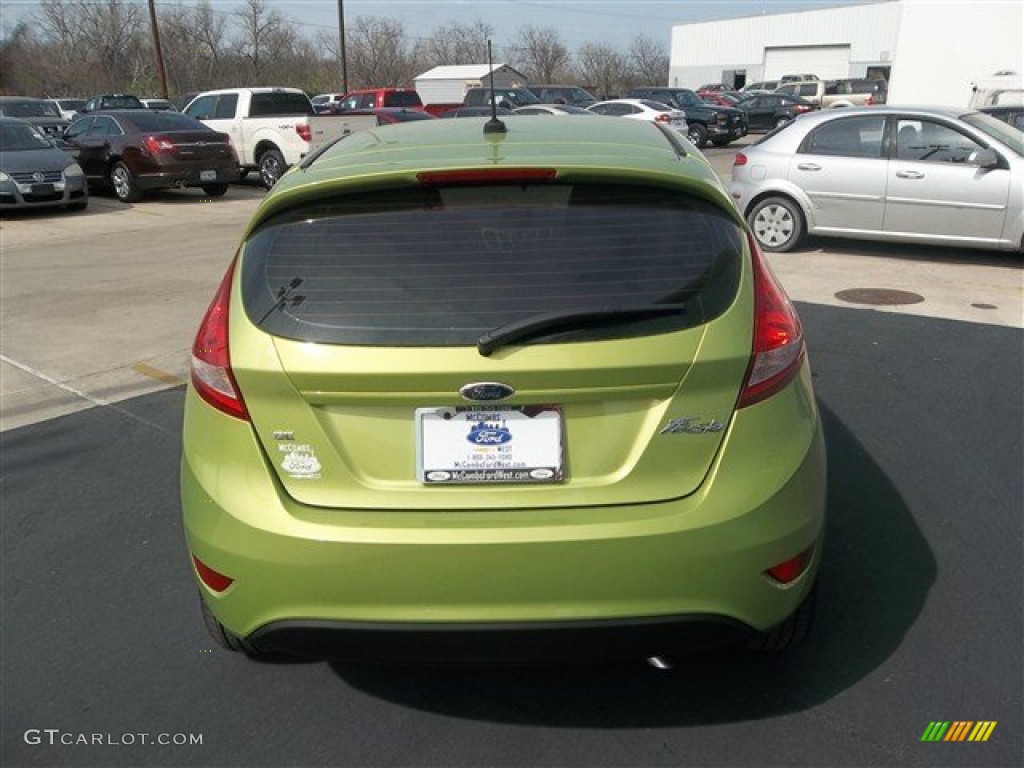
777, 224
223, 636
697, 134
242, 173
272, 167
779, 122
124, 184
215, 190
790, 633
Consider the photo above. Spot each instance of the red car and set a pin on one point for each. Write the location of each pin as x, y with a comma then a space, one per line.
373, 98
385, 115
132, 151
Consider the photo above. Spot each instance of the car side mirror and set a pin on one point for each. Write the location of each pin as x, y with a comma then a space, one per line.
984, 158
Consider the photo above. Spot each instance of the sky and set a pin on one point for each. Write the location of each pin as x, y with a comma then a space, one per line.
615, 22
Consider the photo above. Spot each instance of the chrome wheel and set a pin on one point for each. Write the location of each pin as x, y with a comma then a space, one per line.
124, 185
271, 167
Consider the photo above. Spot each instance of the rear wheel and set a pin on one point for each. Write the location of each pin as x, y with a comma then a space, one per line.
777, 224
215, 190
124, 184
792, 632
782, 121
697, 134
271, 167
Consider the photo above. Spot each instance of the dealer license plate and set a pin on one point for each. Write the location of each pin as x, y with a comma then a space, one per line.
480, 444
207, 175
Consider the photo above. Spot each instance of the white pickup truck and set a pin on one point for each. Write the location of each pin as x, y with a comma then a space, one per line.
269, 127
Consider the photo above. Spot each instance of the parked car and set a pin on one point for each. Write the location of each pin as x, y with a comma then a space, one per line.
766, 111
705, 122
872, 90
68, 107
899, 174
642, 109
385, 115
112, 101
509, 98
183, 101
374, 98
159, 105
34, 172
572, 95
714, 87
133, 151
760, 86
551, 109
1012, 115
324, 103
794, 78
475, 112
723, 98
477, 400
41, 114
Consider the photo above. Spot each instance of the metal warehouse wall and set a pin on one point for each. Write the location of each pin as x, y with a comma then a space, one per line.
701, 52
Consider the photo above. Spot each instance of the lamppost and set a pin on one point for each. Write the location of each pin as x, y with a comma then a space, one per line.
341, 45
159, 49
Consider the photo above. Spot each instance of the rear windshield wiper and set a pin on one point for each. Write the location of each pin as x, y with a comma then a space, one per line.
540, 325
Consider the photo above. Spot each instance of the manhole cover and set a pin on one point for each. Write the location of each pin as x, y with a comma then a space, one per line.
879, 296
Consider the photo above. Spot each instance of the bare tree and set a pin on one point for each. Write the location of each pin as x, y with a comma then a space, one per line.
540, 54
456, 44
259, 27
379, 53
649, 61
602, 67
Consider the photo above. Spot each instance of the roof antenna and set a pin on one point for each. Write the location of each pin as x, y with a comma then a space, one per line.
494, 125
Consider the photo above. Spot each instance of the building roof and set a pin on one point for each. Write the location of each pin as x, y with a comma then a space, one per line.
464, 72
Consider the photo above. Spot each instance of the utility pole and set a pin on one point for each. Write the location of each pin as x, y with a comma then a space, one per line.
341, 45
159, 49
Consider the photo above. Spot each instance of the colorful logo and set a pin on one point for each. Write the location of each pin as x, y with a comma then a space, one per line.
489, 433
958, 730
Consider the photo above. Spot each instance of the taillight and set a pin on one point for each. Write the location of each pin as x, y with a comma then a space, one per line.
778, 336
305, 132
211, 361
157, 145
869, 100
663, 117
740, 159
787, 571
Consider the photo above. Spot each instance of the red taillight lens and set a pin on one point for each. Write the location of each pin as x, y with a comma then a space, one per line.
869, 100
305, 132
486, 176
158, 145
740, 159
663, 117
789, 570
778, 336
211, 360
216, 581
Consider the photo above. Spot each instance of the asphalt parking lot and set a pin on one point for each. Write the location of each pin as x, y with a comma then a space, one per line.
921, 615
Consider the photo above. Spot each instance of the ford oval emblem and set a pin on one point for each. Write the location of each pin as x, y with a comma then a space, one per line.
489, 433
487, 391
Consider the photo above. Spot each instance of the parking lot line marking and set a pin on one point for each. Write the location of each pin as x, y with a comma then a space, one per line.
79, 393
158, 375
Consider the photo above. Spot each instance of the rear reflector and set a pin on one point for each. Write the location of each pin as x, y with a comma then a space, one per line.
486, 176
789, 570
778, 336
740, 159
216, 581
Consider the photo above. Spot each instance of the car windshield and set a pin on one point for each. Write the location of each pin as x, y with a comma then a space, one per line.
657, 106
442, 267
122, 102
18, 136
71, 104
29, 109
997, 129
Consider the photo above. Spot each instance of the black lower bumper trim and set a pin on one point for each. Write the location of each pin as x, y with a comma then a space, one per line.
490, 643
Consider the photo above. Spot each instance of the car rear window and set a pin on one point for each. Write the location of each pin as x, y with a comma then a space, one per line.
280, 103
402, 99
164, 121
440, 267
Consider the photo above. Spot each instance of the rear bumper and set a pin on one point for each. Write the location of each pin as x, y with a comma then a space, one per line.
645, 578
499, 642
187, 177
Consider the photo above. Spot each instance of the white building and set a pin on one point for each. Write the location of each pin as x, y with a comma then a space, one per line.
929, 50
448, 84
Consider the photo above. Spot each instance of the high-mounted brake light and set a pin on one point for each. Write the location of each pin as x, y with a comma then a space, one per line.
304, 131
483, 176
211, 360
778, 336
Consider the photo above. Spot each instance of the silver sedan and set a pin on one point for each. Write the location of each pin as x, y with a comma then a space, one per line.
940, 176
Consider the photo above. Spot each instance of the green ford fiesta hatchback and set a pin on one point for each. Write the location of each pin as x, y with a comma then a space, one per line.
468, 396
